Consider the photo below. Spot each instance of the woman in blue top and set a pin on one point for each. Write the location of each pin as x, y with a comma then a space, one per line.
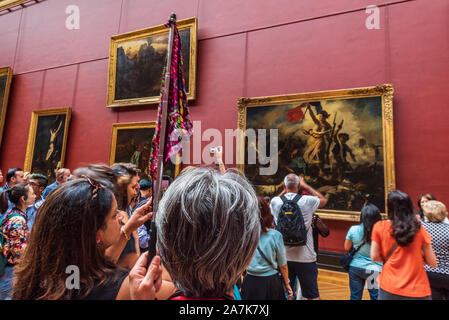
362, 268
262, 281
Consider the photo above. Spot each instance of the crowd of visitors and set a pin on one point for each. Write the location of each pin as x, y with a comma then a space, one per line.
216, 239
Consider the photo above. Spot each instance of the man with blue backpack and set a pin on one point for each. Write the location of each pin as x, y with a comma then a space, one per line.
293, 217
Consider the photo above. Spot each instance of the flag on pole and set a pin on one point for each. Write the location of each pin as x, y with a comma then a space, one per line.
179, 124
317, 105
295, 114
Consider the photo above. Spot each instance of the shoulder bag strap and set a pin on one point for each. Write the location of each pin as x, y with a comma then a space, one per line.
391, 252
263, 256
357, 250
283, 198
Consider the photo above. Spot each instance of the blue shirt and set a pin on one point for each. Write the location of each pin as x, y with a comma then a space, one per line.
5, 187
31, 213
49, 189
362, 258
142, 232
271, 244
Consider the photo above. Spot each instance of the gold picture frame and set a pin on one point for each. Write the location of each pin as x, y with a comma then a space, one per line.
374, 105
5, 87
9, 3
137, 147
47, 141
143, 62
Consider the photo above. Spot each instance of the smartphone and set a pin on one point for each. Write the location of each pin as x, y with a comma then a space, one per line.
215, 149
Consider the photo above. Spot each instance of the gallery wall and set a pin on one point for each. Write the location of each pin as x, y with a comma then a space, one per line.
246, 49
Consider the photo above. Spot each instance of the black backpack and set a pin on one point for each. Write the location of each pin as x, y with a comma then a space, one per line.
290, 222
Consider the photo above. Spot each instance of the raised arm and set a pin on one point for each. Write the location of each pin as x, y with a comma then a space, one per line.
313, 192
312, 115
59, 128
219, 156
139, 217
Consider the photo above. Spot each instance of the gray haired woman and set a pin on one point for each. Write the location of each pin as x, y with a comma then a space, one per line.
208, 231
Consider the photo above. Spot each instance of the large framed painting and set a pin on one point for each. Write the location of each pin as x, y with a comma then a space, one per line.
137, 60
131, 143
5, 86
47, 141
340, 141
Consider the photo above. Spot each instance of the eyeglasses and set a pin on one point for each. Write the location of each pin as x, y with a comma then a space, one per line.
95, 186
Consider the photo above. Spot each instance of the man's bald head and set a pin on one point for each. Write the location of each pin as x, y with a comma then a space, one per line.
291, 182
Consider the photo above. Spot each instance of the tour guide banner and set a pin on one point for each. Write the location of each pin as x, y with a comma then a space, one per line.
179, 123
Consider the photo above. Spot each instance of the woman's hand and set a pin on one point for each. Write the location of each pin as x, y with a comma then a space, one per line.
145, 283
219, 154
290, 291
123, 216
139, 217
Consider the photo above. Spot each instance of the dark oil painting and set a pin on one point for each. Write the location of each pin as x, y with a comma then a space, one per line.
336, 145
48, 146
134, 146
140, 65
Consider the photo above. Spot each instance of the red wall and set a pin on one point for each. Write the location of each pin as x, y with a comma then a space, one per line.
246, 49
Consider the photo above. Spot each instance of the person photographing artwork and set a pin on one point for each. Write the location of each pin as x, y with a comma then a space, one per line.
301, 259
218, 152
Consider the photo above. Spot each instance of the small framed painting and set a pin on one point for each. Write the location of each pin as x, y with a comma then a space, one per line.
131, 143
47, 141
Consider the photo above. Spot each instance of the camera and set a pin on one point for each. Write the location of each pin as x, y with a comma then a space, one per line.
215, 149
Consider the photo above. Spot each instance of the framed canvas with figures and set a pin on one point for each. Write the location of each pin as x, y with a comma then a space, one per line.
340, 141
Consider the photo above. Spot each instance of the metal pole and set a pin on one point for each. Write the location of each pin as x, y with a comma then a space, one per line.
164, 106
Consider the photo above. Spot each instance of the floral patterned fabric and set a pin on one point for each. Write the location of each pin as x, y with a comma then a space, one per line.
15, 233
179, 124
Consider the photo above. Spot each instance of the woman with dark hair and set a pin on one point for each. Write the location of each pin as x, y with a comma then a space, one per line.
423, 199
262, 281
362, 267
403, 245
15, 231
126, 191
75, 225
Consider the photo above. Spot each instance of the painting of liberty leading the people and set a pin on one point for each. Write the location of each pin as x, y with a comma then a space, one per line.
336, 145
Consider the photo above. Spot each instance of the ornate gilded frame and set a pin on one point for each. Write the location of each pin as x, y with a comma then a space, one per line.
32, 133
134, 125
8, 3
385, 91
4, 104
135, 35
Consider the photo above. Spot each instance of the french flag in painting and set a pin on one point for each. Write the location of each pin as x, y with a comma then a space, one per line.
296, 114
